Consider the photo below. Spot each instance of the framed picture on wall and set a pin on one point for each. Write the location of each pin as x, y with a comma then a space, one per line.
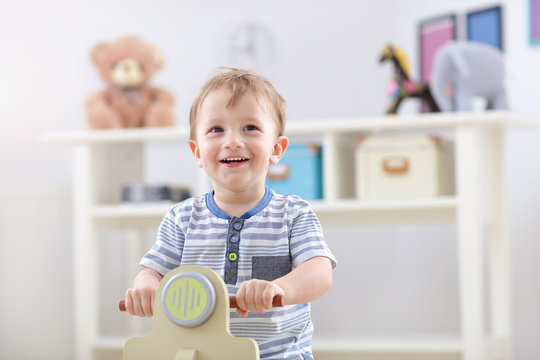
534, 22
433, 33
486, 26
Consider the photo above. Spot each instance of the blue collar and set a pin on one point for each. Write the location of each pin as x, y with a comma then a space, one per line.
214, 209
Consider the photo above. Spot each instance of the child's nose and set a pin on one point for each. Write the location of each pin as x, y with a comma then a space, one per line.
233, 140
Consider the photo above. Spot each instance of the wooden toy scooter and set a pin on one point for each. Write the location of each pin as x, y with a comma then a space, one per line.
191, 321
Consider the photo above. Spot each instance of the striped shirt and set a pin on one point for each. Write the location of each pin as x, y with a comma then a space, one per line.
268, 241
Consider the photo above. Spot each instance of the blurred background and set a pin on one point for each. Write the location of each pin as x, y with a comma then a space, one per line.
322, 56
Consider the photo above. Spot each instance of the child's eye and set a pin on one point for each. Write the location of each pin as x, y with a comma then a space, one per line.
250, 128
216, 129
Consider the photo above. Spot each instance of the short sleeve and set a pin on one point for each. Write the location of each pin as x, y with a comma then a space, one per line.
166, 253
306, 237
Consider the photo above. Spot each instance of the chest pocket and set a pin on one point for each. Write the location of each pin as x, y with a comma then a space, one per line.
270, 267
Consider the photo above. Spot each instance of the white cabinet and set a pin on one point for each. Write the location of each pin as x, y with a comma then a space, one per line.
106, 159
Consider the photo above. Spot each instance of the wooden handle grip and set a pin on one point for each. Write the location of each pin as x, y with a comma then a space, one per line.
277, 301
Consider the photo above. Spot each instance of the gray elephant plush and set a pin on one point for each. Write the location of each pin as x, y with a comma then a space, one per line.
470, 69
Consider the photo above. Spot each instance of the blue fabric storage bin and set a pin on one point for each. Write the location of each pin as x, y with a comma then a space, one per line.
299, 172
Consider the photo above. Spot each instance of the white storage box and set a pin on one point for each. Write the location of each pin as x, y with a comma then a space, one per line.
404, 167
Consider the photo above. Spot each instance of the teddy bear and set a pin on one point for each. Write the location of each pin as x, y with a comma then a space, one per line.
127, 65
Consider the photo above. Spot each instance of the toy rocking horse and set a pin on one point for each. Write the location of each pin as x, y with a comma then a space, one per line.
401, 86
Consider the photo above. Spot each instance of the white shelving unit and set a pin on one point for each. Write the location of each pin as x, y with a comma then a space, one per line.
106, 159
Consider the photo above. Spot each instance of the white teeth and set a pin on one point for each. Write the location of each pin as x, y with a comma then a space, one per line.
235, 159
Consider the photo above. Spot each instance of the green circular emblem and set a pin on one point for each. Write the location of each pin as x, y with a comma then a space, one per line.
188, 299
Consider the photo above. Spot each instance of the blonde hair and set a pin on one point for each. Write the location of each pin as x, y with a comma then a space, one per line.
241, 82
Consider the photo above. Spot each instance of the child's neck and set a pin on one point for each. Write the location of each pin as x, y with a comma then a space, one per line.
236, 203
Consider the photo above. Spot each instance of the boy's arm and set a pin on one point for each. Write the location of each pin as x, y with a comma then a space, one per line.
307, 282
140, 298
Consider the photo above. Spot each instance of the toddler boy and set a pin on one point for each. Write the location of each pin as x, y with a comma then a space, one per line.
261, 243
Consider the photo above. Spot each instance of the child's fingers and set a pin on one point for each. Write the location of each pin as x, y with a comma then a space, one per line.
267, 297
140, 301
257, 295
129, 302
242, 313
271, 295
259, 302
249, 297
146, 305
241, 298
133, 303
137, 306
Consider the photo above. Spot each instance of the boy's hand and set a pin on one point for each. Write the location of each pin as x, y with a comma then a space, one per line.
140, 298
140, 301
256, 296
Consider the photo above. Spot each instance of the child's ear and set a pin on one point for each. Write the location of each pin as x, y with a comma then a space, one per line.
196, 152
279, 149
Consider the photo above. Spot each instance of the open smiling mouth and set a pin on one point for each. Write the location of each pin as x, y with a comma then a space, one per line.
234, 160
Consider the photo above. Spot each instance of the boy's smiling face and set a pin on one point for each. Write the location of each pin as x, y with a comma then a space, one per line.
235, 144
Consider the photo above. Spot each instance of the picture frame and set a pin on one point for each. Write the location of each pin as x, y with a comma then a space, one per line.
432, 34
534, 22
486, 26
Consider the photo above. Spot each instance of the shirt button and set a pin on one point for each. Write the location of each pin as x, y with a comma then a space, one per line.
234, 238
233, 256
237, 226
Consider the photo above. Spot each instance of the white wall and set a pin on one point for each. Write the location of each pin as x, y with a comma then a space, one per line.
35, 273
398, 279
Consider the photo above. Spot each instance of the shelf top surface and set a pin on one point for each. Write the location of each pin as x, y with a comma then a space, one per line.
426, 121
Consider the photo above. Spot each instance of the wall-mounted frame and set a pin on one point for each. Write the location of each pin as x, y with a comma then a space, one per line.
486, 26
433, 33
534, 22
